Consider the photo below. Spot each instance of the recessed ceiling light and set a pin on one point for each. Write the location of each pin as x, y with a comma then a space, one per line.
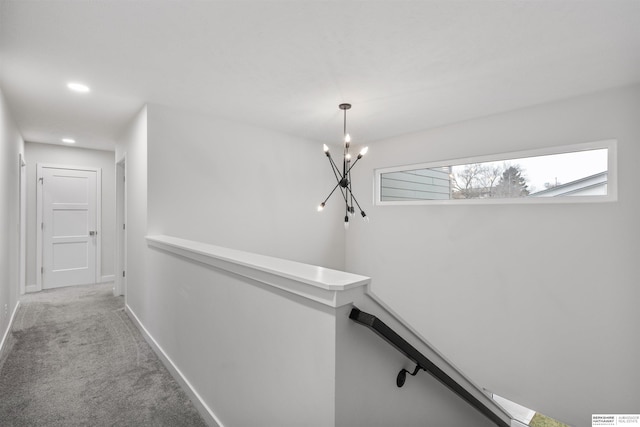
69, 140
78, 87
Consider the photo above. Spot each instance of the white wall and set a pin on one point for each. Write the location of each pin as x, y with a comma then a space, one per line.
11, 145
255, 354
538, 303
242, 187
71, 156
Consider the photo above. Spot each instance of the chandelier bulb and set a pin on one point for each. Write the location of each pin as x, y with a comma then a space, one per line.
347, 139
363, 152
346, 222
320, 207
365, 218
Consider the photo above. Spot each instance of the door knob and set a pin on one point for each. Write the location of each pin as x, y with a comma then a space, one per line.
93, 233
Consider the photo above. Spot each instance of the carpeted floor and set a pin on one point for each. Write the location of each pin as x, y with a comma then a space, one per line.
77, 360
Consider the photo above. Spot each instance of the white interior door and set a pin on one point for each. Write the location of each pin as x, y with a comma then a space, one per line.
69, 226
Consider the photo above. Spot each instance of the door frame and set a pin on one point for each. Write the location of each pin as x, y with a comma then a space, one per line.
40, 216
22, 225
120, 280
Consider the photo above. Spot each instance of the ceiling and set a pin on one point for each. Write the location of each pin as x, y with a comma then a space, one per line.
405, 66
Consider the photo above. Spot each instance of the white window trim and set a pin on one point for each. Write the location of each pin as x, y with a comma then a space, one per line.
612, 178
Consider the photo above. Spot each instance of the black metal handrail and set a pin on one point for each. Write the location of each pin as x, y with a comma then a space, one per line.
422, 362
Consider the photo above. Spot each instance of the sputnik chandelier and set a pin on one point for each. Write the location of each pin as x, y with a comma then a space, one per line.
344, 178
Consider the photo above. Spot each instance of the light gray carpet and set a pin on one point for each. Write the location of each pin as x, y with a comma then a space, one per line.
78, 360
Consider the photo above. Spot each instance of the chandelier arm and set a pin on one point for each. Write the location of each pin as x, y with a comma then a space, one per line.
332, 191
353, 164
344, 195
335, 169
354, 199
349, 188
342, 191
344, 165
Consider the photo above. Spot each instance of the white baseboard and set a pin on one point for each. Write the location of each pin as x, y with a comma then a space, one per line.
107, 278
32, 288
6, 336
103, 279
204, 410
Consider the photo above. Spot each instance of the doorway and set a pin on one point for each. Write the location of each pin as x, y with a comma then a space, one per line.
22, 225
120, 285
69, 234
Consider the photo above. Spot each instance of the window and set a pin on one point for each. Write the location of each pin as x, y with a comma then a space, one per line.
576, 173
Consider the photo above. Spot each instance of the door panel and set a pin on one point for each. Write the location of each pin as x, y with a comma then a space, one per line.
70, 256
69, 223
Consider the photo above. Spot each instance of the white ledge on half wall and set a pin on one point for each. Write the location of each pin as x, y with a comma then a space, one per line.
333, 288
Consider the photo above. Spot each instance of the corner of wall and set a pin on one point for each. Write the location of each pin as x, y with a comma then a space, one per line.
11, 147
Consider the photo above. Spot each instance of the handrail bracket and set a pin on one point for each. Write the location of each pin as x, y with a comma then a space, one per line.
402, 375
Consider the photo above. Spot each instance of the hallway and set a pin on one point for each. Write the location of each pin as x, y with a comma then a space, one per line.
76, 359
